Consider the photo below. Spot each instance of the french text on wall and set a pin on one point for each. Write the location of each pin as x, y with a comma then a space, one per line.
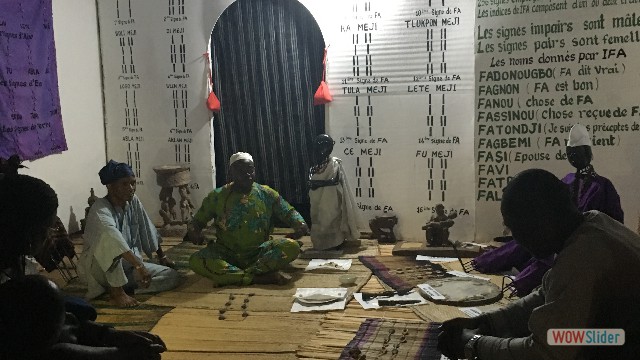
435, 101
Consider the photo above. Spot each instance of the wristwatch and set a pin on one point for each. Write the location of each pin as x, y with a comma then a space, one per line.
470, 348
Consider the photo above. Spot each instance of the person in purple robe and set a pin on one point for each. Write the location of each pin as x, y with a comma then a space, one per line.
589, 191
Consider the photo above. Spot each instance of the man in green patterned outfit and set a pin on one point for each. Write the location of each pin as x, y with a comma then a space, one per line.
242, 212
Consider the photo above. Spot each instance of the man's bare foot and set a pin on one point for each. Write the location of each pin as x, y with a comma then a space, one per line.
165, 261
277, 278
120, 298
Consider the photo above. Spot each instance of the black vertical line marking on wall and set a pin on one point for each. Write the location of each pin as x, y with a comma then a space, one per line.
130, 43
124, 66
135, 109
172, 53
185, 105
358, 177
138, 165
183, 53
127, 114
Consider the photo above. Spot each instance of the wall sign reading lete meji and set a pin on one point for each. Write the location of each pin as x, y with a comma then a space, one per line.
30, 117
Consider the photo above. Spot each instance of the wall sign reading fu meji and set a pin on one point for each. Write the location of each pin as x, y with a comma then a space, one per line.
30, 119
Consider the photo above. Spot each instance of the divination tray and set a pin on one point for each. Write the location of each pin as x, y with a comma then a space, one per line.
394, 339
461, 291
403, 273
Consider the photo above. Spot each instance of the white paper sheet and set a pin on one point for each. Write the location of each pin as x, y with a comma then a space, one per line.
464, 274
332, 264
435, 258
430, 291
471, 311
336, 305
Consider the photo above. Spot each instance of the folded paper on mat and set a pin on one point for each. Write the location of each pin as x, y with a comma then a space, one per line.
319, 299
333, 264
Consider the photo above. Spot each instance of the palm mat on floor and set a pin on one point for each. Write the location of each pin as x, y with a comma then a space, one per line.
349, 250
198, 292
387, 338
146, 315
403, 273
202, 331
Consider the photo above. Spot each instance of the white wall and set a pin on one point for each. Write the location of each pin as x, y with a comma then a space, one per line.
73, 172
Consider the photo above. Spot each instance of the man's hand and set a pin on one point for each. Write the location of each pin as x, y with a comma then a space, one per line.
301, 231
120, 338
194, 234
457, 332
144, 276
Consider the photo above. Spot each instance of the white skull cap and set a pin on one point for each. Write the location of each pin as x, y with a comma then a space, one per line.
579, 136
240, 156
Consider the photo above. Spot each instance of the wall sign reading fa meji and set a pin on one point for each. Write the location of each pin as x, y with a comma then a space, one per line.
30, 119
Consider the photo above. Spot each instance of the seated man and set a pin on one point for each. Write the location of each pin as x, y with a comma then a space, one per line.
593, 283
34, 326
33, 323
243, 252
117, 233
589, 191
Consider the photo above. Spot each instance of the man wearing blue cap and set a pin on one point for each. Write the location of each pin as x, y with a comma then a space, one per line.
117, 233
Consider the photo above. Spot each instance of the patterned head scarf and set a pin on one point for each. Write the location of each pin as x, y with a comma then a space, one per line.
114, 171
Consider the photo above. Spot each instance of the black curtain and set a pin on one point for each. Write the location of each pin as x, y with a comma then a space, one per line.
267, 63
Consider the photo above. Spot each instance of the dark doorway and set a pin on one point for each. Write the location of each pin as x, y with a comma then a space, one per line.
267, 64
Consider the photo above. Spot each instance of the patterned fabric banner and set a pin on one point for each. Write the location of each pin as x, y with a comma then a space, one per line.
30, 120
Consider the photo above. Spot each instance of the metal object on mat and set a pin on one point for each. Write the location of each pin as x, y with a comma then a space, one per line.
466, 265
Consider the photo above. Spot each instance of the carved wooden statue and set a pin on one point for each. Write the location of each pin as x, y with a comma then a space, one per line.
382, 228
437, 229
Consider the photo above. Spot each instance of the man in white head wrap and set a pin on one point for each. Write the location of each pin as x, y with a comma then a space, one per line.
240, 156
243, 212
579, 136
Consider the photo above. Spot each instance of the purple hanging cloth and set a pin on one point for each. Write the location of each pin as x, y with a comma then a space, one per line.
30, 119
